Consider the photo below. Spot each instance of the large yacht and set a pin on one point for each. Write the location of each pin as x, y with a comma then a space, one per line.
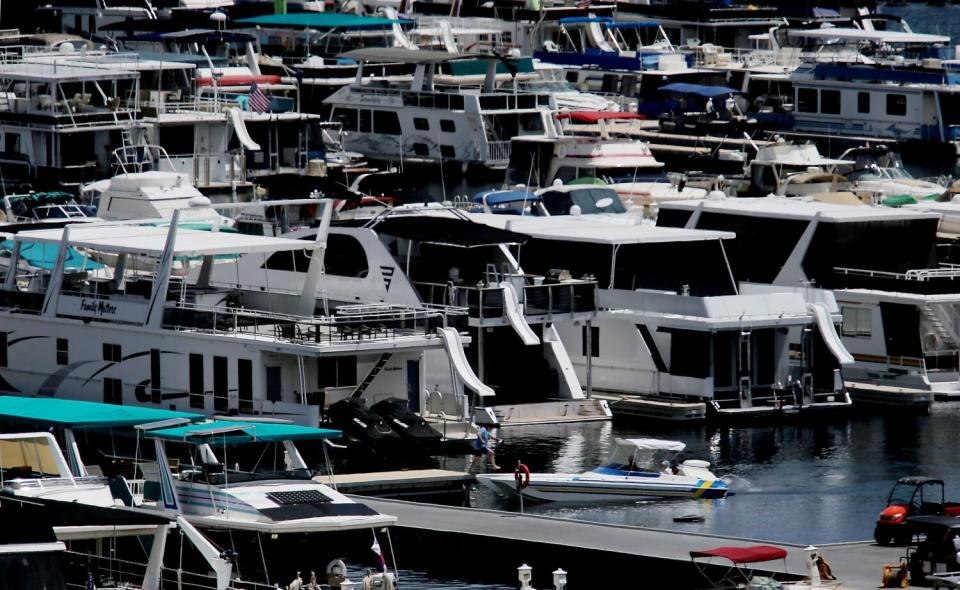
675, 326
428, 123
139, 335
899, 303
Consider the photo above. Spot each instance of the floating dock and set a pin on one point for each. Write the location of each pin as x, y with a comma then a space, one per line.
594, 554
889, 397
450, 487
638, 408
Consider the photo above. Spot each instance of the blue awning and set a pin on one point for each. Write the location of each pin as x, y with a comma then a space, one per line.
239, 432
634, 24
322, 20
78, 414
44, 256
580, 20
698, 89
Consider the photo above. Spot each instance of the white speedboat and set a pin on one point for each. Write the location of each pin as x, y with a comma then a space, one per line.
632, 472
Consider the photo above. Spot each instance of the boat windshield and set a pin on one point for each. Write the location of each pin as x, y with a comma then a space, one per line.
589, 200
29, 458
550, 86
215, 474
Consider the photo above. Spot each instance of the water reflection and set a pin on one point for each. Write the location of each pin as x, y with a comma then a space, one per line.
816, 482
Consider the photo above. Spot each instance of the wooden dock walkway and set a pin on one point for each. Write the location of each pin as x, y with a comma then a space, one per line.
588, 550
401, 484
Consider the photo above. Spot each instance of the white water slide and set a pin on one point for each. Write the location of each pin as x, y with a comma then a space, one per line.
829, 333
241, 130
511, 304
458, 360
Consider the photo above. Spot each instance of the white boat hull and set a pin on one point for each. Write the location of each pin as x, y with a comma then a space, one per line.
591, 487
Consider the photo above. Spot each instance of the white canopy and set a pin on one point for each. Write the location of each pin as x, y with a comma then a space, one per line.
150, 241
651, 444
850, 34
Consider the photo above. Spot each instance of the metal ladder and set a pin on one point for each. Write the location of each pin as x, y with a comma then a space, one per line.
376, 370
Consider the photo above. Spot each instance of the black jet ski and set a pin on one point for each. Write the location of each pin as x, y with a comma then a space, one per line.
406, 423
357, 421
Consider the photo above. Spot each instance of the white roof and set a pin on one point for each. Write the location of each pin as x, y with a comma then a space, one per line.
150, 241
597, 229
797, 208
652, 444
62, 71
851, 34
791, 154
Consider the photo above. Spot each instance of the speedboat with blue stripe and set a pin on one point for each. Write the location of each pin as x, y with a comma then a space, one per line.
634, 471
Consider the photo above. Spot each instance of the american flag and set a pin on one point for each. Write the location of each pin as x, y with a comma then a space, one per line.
376, 549
584, 4
257, 100
91, 585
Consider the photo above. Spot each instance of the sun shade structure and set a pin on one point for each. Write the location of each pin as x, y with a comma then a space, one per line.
698, 89
237, 432
653, 444
322, 20
452, 231
741, 555
406, 56
150, 241
78, 414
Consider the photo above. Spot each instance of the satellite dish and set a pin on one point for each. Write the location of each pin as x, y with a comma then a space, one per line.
604, 202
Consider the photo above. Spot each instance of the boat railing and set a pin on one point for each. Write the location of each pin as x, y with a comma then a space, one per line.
486, 302
945, 271
496, 151
50, 482
368, 325
79, 565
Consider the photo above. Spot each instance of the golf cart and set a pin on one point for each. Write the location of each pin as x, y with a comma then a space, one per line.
911, 496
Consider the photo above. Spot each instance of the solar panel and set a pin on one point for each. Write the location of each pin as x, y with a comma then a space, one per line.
298, 497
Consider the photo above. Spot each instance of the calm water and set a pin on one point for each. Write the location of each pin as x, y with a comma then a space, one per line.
817, 483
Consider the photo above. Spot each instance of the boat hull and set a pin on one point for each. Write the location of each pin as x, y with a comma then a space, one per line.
582, 488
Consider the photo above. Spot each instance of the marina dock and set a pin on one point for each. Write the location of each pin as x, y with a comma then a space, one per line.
421, 483
599, 553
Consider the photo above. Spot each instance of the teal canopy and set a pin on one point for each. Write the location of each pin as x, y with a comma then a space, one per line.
44, 256
238, 432
322, 20
78, 415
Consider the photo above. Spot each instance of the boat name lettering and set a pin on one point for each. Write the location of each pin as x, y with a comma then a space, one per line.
98, 306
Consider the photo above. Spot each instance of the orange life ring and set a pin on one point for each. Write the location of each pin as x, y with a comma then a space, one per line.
522, 476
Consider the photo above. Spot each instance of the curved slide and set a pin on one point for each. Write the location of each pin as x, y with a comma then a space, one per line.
829, 333
595, 33
241, 130
458, 360
511, 304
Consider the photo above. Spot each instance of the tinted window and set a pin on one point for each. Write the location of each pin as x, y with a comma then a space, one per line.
897, 105
421, 124
346, 117
447, 151
344, 257
863, 102
690, 353
364, 121
830, 102
421, 149
447, 126
386, 122
807, 100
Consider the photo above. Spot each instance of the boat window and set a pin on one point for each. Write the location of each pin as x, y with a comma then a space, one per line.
220, 391
11, 143
345, 257
448, 151
830, 102
274, 383
863, 102
897, 105
857, 321
421, 124
760, 249
421, 149
196, 380
177, 139
156, 389
807, 100
336, 371
347, 118
386, 122
63, 351
594, 341
111, 352
245, 385
690, 353
28, 457
364, 121
3, 349
112, 391
448, 126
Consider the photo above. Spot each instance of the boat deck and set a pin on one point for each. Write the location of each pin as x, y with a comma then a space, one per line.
585, 549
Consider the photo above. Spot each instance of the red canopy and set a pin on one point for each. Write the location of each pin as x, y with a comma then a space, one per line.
594, 116
744, 554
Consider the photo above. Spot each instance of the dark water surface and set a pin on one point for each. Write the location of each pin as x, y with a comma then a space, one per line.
800, 483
